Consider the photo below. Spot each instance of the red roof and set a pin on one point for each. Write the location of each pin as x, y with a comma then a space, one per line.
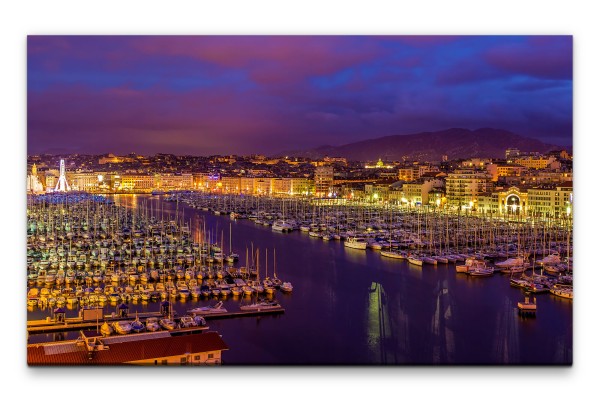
120, 353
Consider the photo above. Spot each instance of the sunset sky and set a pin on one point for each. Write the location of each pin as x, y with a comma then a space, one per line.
205, 95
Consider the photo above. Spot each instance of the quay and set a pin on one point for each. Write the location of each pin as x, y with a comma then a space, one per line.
77, 323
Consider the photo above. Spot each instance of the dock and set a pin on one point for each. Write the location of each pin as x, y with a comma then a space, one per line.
526, 308
244, 314
77, 323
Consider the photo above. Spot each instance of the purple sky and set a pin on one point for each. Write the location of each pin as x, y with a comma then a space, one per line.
207, 95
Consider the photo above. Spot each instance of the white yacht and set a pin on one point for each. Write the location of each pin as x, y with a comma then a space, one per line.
208, 310
552, 259
281, 225
480, 269
261, 305
512, 262
356, 243
469, 263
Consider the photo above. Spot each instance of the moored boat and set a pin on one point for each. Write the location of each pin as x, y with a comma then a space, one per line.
208, 310
562, 290
167, 323
261, 305
356, 243
393, 254
122, 327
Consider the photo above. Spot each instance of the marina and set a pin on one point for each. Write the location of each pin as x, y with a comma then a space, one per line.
386, 292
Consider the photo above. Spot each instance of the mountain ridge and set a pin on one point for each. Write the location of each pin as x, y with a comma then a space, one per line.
456, 143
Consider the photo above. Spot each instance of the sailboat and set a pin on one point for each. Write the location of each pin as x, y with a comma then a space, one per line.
267, 283
232, 257
276, 281
137, 325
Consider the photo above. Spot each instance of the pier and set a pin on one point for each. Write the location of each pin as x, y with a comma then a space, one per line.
77, 323
526, 308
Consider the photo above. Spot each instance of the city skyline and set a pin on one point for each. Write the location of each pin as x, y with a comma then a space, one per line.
268, 94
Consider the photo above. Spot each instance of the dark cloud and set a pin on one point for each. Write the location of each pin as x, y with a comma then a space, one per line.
220, 94
541, 57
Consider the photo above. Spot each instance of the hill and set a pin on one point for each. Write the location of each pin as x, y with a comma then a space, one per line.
456, 143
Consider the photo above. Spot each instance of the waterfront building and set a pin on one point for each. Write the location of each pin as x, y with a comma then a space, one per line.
200, 181
136, 182
291, 186
323, 180
437, 197
173, 181
85, 181
463, 186
262, 186
33, 182
281, 186
551, 200
247, 185
230, 185
149, 349
301, 186
377, 192
512, 200
417, 192
487, 203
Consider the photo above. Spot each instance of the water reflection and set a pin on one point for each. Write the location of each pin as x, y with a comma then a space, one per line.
506, 339
357, 256
414, 271
441, 325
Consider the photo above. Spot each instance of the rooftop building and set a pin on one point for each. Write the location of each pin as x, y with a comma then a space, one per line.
159, 348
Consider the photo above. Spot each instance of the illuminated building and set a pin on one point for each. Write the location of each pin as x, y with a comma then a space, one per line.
33, 182
463, 186
379, 164
551, 200
323, 180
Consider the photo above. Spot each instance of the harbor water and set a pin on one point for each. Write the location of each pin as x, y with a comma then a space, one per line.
353, 306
